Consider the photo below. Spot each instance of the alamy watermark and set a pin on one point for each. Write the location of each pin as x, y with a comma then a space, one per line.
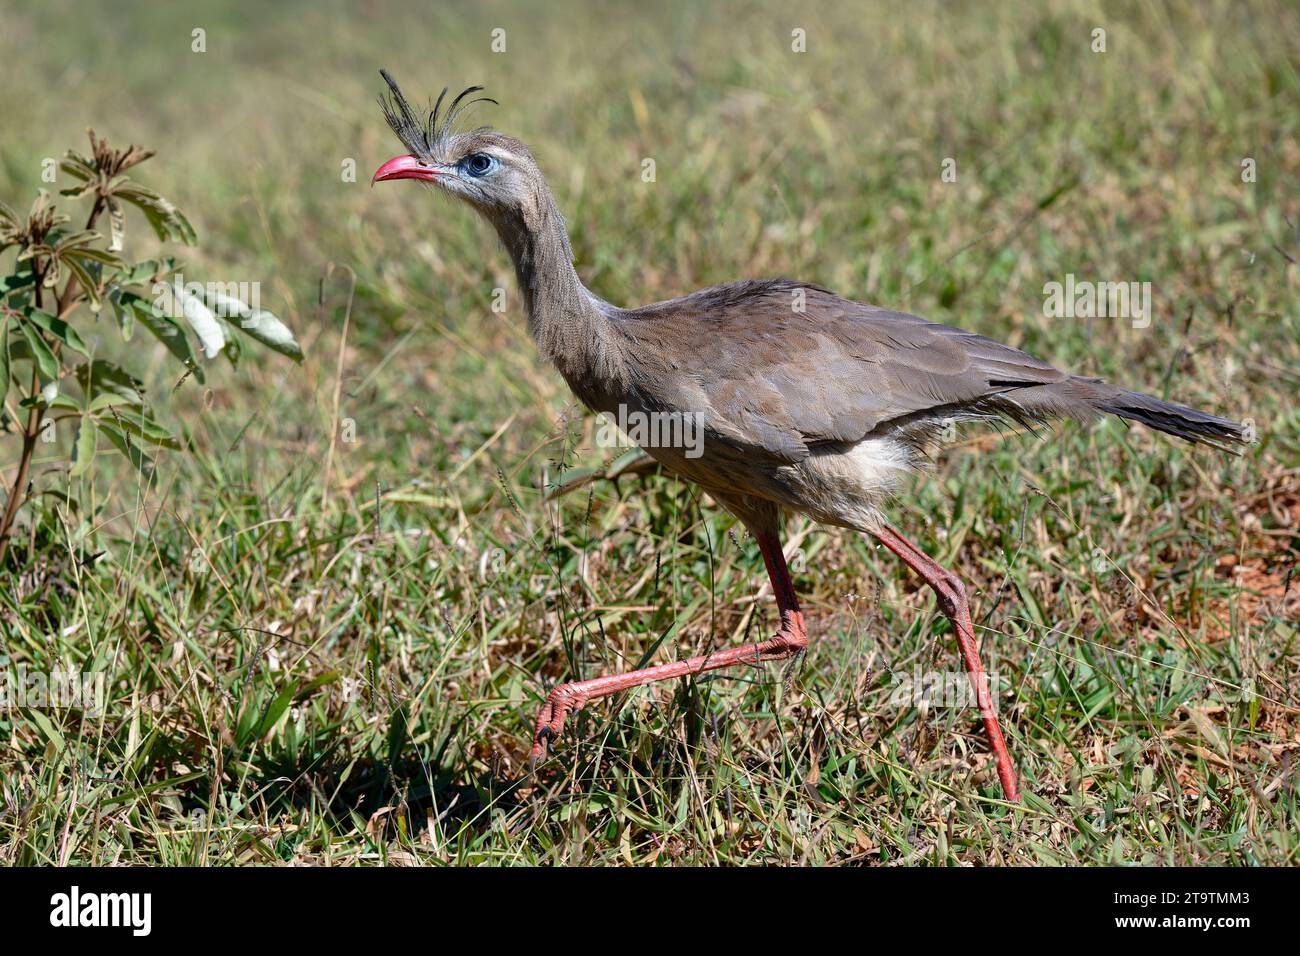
1082, 299
58, 689
228, 300
78, 907
652, 430
936, 690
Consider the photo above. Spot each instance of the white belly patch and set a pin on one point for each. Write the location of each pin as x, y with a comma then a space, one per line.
848, 486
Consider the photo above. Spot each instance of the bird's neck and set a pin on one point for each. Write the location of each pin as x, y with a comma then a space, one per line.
570, 324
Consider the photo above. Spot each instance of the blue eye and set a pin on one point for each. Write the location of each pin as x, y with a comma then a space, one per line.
478, 164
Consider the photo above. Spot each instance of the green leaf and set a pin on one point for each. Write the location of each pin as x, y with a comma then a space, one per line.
46, 364
233, 351
74, 164
68, 241
258, 324
56, 400
273, 713
100, 378
203, 322
107, 400
47, 728
572, 478
63, 498
57, 328
142, 462
634, 462
145, 272
85, 280
165, 329
83, 451
316, 683
167, 221
168, 784
139, 425
397, 734
19, 280
125, 316
96, 255
117, 224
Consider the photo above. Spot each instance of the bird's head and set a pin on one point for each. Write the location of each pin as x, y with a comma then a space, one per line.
492, 172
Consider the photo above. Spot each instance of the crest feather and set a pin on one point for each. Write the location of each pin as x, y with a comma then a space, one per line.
426, 138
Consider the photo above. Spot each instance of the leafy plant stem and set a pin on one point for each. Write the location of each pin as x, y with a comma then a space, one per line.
68, 298
29, 446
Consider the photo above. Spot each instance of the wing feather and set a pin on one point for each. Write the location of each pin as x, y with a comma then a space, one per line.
777, 366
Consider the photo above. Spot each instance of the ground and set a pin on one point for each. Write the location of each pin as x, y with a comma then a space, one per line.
324, 635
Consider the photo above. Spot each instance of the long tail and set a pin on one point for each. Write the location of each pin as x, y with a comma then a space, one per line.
1085, 397
1188, 423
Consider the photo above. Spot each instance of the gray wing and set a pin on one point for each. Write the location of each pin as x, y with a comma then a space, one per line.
778, 366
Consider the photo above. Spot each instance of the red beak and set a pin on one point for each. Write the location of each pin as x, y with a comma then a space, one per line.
404, 167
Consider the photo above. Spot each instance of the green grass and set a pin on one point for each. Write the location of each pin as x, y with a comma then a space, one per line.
350, 670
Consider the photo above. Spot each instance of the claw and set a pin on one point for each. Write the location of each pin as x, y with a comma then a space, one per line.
791, 670
542, 739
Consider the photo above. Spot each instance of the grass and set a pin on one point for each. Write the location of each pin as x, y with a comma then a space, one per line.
318, 650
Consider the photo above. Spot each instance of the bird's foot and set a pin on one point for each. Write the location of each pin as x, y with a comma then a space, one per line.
790, 670
559, 704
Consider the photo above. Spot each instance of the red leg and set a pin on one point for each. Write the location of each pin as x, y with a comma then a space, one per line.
952, 602
791, 639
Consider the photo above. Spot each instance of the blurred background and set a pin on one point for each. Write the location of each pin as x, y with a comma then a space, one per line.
388, 595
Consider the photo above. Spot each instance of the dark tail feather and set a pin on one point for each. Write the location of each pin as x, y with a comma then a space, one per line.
1173, 419
1083, 397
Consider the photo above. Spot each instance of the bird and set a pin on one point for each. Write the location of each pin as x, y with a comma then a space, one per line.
803, 402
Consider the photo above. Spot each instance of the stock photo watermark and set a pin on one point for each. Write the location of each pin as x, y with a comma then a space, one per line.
229, 300
631, 428
944, 690
22, 687
78, 908
1084, 299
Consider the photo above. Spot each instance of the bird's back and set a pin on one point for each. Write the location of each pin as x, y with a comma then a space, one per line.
821, 403
783, 366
